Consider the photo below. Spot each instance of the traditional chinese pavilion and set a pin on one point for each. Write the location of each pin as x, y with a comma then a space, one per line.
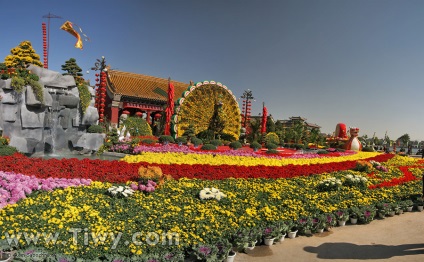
137, 95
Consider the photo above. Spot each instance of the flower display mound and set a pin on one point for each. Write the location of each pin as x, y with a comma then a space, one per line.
121, 171
14, 187
176, 212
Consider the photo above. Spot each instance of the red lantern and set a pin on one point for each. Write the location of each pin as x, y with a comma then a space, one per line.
101, 110
126, 112
139, 114
157, 115
101, 115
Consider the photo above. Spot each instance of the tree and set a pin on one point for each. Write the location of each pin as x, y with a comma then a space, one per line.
71, 67
279, 126
22, 55
270, 125
404, 139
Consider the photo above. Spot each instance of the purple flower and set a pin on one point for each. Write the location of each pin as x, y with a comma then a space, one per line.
204, 250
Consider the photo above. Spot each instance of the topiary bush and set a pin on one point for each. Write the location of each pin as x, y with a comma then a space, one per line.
272, 151
271, 145
148, 141
181, 140
255, 145
216, 142
235, 145
196, 141
137, 126
6, 150
208, 147
166, 139
95, 129
272, 137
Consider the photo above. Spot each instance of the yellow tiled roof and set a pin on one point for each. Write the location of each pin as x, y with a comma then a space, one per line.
141, 86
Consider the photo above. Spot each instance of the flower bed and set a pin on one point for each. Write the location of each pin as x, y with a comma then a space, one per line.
116, 228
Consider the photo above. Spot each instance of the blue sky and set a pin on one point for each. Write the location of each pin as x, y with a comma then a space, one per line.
331, 61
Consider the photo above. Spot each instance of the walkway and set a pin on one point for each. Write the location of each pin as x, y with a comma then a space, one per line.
399, 238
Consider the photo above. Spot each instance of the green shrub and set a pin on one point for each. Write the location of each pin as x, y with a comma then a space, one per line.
208, 147
255, 145
368, 149
18, 84
196, 141
181, 139
148, 141
235, 145
95, 129
272, 151
84, 96
137, 126
322, 152
271, 145
166, 139
6, 150
272, 137
216, 142
228, 137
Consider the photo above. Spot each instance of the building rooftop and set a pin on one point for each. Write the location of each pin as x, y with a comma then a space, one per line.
141, 86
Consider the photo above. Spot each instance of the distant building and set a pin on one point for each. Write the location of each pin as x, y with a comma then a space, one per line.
297, 119
137, 95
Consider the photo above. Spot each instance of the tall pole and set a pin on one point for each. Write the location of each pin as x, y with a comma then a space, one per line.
247, 101
48, 16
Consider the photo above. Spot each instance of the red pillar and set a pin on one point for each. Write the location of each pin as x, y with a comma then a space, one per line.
114, 118
148, 116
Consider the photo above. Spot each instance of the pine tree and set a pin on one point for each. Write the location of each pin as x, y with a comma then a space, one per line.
22, 55
72, 68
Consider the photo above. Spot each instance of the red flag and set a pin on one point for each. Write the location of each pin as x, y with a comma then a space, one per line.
264, 118
170, 108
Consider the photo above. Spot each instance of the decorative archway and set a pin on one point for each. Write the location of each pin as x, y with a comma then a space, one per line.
196, 107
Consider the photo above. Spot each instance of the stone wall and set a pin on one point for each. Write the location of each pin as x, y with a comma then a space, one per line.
57, 124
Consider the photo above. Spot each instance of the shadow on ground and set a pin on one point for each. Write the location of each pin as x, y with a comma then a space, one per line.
352, 251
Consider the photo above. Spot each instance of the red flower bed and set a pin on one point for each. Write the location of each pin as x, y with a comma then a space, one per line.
121, 172
407, 176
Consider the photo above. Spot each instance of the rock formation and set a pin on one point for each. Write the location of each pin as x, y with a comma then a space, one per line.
56, 124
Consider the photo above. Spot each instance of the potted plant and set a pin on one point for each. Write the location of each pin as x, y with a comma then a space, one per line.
294, 228
408, 205
419, 202
305, 225
269, 233
367, 214
330, 221
342, 215
283, 229
319, 222
383, 209
354, 214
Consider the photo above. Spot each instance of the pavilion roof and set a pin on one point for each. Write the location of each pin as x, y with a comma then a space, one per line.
141, 86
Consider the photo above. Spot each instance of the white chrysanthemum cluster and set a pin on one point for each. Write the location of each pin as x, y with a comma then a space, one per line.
118, 191
210, 193
332, 181
356, 178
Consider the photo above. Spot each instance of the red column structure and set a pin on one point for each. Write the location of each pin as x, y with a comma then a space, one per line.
96, 101
45, 58
102, 96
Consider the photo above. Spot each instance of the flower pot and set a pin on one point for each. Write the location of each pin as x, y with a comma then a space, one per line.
409, 209
420, 208
320, 230
328, 228
231, 256
353, 220
392, 213
269, 241
400, 211
281, 239
7, 256
381, 215
341, 223
292, 234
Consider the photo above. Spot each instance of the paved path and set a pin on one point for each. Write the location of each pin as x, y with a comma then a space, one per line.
399, 238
